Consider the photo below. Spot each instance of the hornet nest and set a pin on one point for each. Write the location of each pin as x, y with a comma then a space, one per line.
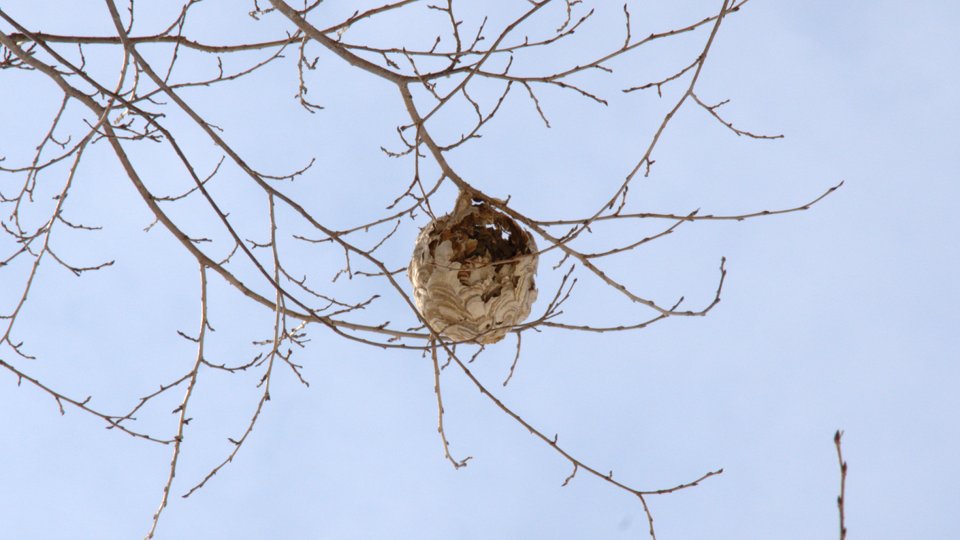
472, 273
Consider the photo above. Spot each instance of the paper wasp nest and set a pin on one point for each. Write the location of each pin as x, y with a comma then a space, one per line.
472, 273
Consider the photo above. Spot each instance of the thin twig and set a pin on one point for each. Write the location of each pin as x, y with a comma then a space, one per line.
842, 498
443, 435
183, 420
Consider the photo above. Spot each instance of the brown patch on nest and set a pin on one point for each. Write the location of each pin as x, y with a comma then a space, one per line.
482, 235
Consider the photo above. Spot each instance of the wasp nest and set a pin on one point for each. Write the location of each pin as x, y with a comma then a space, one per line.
472, 273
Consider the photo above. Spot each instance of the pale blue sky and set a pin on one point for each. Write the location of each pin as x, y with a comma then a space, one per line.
843, 317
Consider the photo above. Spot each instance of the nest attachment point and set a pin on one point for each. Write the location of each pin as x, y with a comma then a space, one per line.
473, 273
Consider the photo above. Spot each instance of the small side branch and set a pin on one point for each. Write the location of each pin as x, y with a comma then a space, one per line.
436, 388
237, 443
842, 498
516, 358
712, 109
577, 464
182, 409
695, 216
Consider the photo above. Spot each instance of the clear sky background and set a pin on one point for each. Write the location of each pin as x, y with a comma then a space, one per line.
841, 317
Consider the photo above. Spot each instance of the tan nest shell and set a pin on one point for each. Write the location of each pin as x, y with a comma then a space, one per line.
473, 274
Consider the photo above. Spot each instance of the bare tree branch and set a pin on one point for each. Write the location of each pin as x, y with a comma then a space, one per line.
453, 86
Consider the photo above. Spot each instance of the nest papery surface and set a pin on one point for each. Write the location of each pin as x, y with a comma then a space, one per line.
473, 274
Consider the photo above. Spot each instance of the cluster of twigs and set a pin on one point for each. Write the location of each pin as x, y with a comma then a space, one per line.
133, 109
